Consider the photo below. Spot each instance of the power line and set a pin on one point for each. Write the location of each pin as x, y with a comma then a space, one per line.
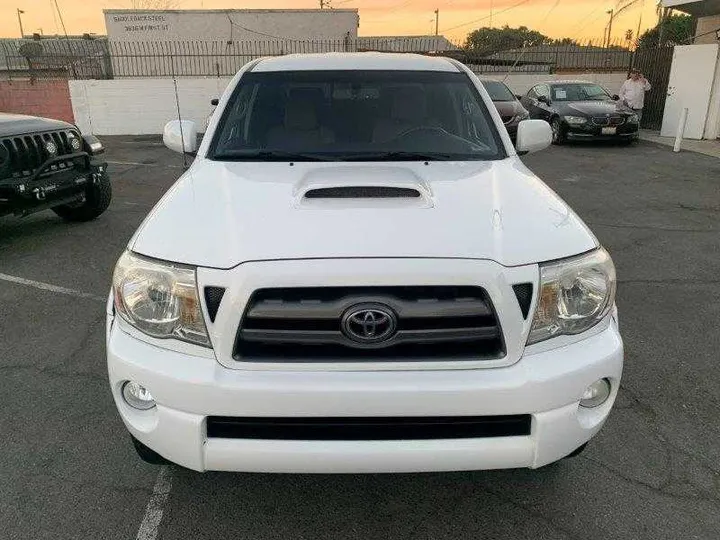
495, 14
233, 23
590, 21
545, 18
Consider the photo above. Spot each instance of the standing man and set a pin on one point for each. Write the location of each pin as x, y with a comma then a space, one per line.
633, 91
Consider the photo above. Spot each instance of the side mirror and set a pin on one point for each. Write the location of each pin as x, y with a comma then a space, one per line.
214, 102
544, 99
533, 136
177, 132
616, 97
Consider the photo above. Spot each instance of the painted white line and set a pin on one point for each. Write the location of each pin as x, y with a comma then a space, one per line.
156, 505
51, 288
132, 163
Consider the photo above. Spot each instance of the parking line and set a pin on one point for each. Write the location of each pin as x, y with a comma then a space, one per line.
156, 505
51, 288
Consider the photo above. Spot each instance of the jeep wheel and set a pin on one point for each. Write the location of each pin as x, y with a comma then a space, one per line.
97, 199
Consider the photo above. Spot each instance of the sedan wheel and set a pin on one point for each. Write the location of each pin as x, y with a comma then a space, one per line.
557, 134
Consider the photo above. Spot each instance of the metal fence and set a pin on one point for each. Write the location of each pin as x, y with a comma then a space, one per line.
103, 59
655, 64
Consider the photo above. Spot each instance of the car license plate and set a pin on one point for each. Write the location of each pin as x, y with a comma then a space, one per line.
609, 130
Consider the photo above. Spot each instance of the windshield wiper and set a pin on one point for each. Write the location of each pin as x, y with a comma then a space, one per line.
270, 155
396, 156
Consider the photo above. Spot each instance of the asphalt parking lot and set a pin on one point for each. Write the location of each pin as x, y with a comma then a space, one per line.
67, 468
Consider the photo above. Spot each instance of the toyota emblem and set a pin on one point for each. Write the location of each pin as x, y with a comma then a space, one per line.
369, 324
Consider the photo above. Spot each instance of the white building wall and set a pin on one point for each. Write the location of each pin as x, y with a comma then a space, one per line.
143, 106
229, 25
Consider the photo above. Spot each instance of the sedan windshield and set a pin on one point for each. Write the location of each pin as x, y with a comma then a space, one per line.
356, 116
579, 92
498, 91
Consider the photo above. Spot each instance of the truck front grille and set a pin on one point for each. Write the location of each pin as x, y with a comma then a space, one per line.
370, 428
25, 153
336, 324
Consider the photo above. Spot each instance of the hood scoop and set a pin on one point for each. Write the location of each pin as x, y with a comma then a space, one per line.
362, 192
363, 186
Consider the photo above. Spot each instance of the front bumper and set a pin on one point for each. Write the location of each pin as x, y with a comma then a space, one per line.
61, 180
595, 133
548, 385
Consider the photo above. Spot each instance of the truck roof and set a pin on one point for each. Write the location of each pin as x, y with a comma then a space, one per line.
355, 61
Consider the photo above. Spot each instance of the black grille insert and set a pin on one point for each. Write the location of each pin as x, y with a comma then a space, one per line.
369, 429
213, 297
524, 295
362, 192
305, 324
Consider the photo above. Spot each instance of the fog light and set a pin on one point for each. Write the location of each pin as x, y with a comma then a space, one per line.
137, 396
596, 394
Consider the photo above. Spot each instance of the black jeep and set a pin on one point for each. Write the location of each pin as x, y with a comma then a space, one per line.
48, 164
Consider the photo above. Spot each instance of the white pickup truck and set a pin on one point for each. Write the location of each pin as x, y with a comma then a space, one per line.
358, 274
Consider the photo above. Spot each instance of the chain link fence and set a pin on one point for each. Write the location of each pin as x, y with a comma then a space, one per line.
103, 59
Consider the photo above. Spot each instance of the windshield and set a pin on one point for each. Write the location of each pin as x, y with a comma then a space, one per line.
579, 92
498, 91
355, 116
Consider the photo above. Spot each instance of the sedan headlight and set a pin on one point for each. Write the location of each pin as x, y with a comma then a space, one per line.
160, 299
575, 294
633, 119
575, 120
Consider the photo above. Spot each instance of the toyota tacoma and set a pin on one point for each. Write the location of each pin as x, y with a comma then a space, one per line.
358, 274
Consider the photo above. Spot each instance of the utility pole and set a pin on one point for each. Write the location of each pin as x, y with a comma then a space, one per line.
437, 20
20, 12
611, 13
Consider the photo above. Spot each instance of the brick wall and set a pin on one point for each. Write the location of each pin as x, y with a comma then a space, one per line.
50, 98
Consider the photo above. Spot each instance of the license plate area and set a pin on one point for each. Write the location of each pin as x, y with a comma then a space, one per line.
609, 130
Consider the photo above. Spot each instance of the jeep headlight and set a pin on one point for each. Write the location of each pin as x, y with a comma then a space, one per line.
575, 294
158, 298
575, 120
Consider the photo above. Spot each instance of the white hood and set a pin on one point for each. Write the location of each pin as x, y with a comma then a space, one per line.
221, 214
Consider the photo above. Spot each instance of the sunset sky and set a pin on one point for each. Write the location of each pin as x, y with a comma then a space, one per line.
582, 19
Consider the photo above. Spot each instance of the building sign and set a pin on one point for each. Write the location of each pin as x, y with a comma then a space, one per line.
141, 22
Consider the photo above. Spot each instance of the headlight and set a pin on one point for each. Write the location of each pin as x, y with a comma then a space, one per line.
575, 120
633, 119
159, 299
93, 144
575, 294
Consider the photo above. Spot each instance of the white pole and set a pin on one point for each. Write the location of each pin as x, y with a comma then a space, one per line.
680, 130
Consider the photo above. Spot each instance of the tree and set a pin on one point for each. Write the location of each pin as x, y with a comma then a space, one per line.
499, 39
676, 29
488, 40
